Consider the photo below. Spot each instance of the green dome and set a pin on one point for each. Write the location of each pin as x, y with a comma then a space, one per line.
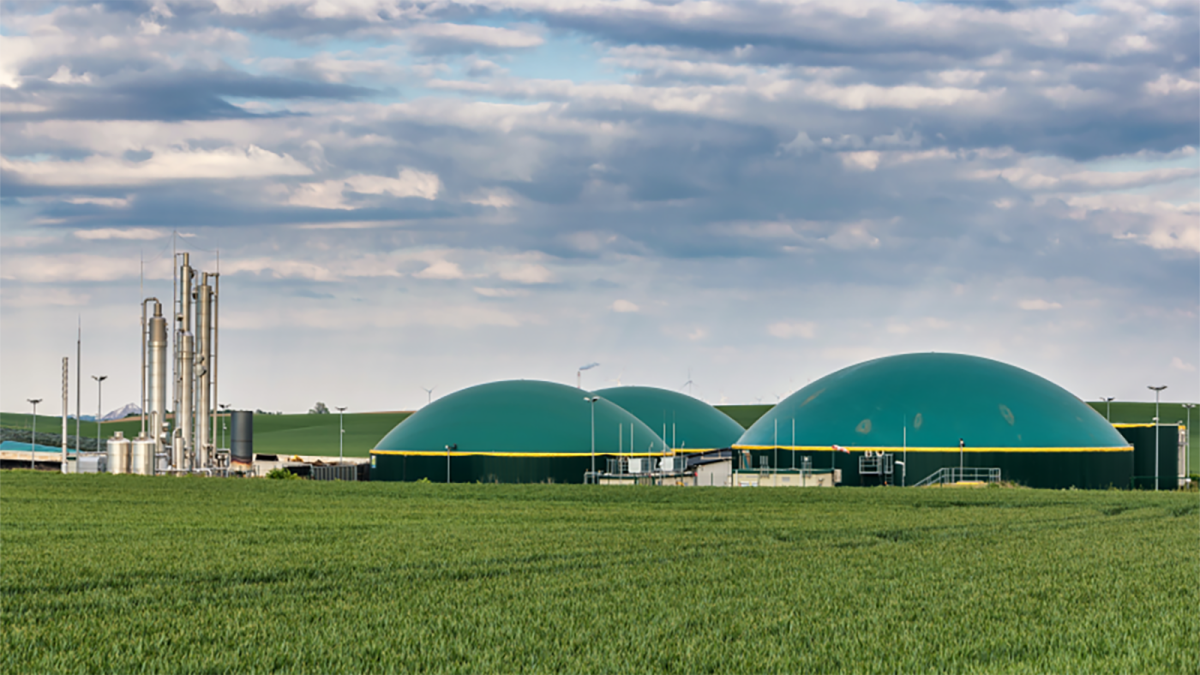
939, 398
519, 418
690, 425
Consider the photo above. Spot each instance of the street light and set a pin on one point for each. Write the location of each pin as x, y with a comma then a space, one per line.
33, 437
341, 431
1187, 452
225, 409
1108, 407
1157, 390
592, 400
99, 397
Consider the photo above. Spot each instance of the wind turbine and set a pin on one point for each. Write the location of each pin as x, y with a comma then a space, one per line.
689, 384
429, 392
579, 374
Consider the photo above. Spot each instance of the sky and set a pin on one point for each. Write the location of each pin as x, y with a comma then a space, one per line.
729, 199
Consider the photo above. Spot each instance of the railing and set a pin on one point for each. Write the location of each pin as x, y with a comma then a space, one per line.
953, 474
335, 472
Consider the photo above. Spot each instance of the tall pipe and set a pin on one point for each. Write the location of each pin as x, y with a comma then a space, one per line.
216, 313
158, 377
203, 370
183, 413
183, 404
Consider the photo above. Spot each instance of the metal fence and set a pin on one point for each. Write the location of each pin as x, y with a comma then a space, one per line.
335, 472
953, 474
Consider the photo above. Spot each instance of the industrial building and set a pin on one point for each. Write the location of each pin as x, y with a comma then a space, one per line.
906, 419
518, 431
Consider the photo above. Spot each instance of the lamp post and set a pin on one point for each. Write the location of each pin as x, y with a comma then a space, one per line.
1108, 407
452, 446
1187, 447
341, 431
961, 445
1157, 391
99, 407
225, 409
592, 400
33, 437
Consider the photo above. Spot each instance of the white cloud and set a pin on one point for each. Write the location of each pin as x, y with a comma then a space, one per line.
331, 194
129, 233
488, 36
527, 274
864, 96
1179, 364
113, 202
866, 160
795, 329
441, 269
1168, 84
166, 164
64, 76
1038, 305
501, 292
624, 306
852, 236
496, 199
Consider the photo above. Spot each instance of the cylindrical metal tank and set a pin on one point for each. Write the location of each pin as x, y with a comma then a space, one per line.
182, 450
141, 458
203, 359
241, 446
158, 376
118, 453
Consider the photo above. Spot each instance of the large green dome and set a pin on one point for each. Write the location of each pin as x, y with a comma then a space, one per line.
520, 418
936, 399
685, 423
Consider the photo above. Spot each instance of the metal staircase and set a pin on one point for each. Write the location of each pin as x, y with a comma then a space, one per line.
949, 475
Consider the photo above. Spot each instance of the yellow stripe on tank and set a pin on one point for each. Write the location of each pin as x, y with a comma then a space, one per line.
826, 448
468, 453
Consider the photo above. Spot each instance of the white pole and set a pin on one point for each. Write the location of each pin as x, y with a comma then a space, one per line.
341, 433
66, 402
1157, 423
33, 433
99, 405
904, 471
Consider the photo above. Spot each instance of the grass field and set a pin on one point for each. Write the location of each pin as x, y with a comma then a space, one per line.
124, 573
273, 434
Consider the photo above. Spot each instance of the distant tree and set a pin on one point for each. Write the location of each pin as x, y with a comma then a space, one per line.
319, 409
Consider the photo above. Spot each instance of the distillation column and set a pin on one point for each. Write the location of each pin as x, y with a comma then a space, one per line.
158, 379
204, 454
181, 442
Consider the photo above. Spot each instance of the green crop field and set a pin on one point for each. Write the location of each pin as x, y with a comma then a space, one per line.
273, 434
128, 573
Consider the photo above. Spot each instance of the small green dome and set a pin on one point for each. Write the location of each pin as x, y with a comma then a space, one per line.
938, 398
520, 418
689, 424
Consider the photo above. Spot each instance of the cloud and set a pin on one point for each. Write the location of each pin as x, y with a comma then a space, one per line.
794, 329
527, 274
624, 306
1038, 305
441, 269
1179, 364
165, 164
332, 194
454, 37
132, 233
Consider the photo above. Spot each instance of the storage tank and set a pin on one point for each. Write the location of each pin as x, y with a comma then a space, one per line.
118, 453
141, 457
241, 444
